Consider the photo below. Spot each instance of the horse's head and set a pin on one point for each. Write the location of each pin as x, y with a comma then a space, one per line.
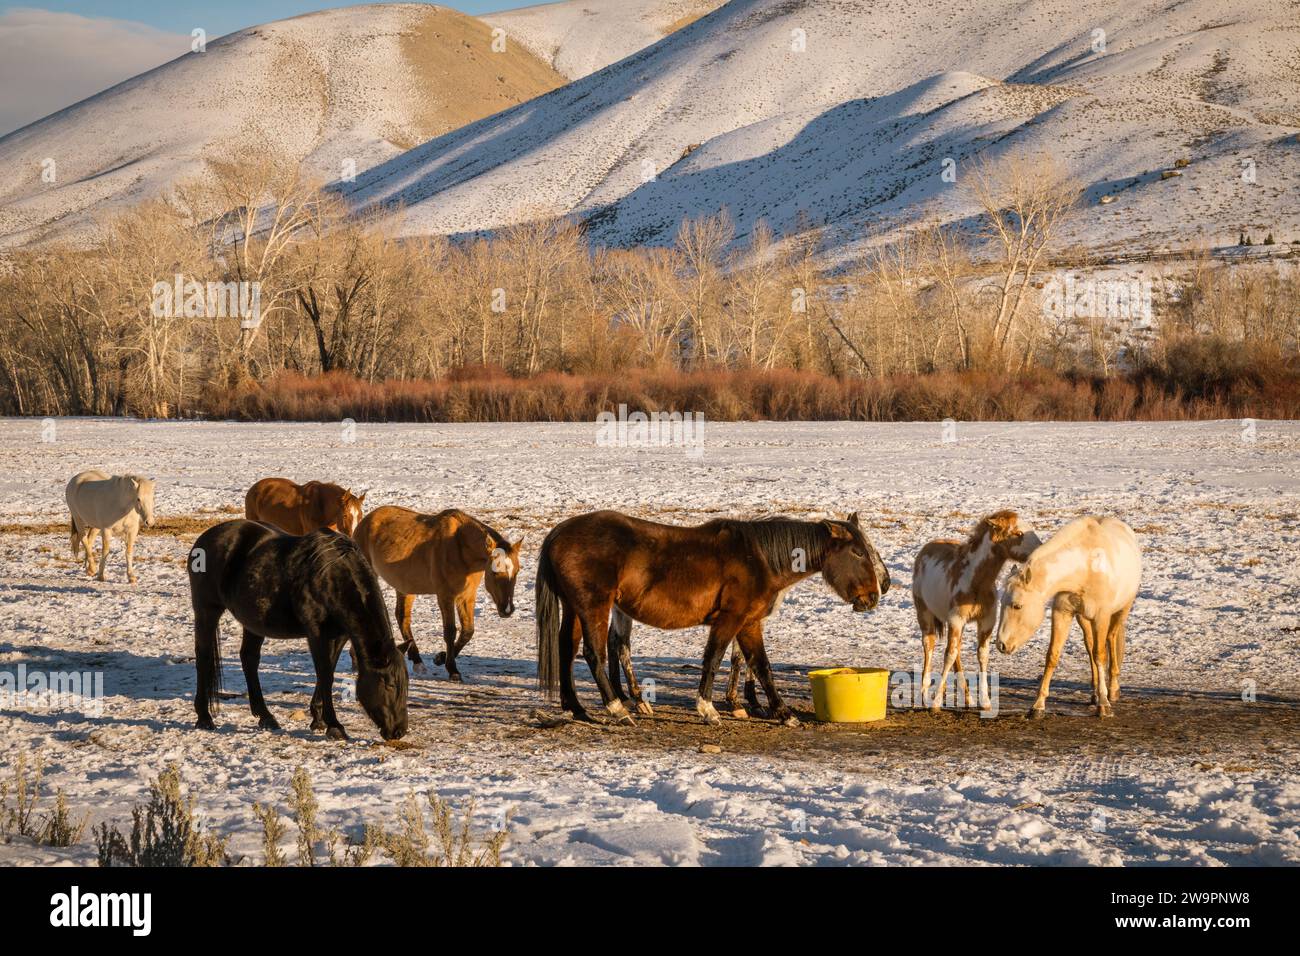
349, 512
852, 567
1022, 610
143, 503
499, 575
381, 691
1011, 538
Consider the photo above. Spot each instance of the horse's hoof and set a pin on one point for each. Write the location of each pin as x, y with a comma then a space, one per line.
132, 579
1114, 695
440, 658
455, 677
204, 723
624, 720
644, 709
1037, 713
419, 668
336, 733
790, 720
318, 725
581, 716
268, 723
1105, 714
739, 713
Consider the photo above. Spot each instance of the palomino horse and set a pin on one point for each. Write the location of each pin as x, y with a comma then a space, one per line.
727, 574
447, 555
110, 506
955, 582
1090, 571
302, 509
318, 586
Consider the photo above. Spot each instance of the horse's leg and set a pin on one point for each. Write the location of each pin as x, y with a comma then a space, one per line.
1061, 617
465, 615
720, 636
930, 628
733, 683
1090, 646
130, 554
620, 645
250, 655
88, 547
984, 639
595, 634
447, 611
960, 678
207, 643
1101, 652
569, 639
325, 654
750, 639
105, 540
402, 611
1118, 627
955, 626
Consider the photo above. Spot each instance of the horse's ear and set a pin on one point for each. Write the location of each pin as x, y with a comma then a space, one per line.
1023, 575
362, 496
519, 543
837, 530
853, 520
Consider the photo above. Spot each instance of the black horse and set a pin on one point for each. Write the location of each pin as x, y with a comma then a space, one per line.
278, 585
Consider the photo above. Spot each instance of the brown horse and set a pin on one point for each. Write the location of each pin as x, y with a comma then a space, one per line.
447, 555
302, 509
727, 574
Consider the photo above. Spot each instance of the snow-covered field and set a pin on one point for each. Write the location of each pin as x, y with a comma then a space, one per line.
1189, 771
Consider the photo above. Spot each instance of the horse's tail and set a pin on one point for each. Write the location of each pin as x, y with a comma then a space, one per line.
75, 538
548, 624
211, 657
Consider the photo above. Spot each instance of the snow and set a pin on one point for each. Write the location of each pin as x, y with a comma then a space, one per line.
851, 131
1188, 772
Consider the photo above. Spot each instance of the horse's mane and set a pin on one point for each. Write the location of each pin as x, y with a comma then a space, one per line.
777, 537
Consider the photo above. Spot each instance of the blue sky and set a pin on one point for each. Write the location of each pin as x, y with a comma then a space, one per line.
54, 53
182, 16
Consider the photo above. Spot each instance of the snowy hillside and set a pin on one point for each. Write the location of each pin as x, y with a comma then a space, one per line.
578, 37
846, 109
359, 83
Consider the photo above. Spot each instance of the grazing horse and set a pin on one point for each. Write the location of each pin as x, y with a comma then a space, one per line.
1090, 571
956, 582
110, 506
277, 585
446, 555
727, 574
302, 509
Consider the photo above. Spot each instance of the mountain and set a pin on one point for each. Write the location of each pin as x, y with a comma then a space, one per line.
839, 114
359, 83
578, 37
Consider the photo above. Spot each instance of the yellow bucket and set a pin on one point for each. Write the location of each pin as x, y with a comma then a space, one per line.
850, 695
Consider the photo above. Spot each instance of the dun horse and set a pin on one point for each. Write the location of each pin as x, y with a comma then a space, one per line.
302, 509
446, 555
956, 582
110, 506
1090, 571
729, 575
281, 586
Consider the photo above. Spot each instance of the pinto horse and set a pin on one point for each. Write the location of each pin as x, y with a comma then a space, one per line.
302, 509
447, 555
727, 574
318, 586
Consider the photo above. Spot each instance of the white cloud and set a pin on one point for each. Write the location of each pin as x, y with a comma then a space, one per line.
52, 60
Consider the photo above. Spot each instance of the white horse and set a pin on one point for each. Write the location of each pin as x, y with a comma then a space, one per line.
956, 582
109, 505
1090, 571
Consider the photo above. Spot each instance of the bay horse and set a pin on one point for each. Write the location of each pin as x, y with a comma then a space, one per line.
956, 582
281, 586
109, 505
446, 554
1090, 570
302, 509
727, 574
